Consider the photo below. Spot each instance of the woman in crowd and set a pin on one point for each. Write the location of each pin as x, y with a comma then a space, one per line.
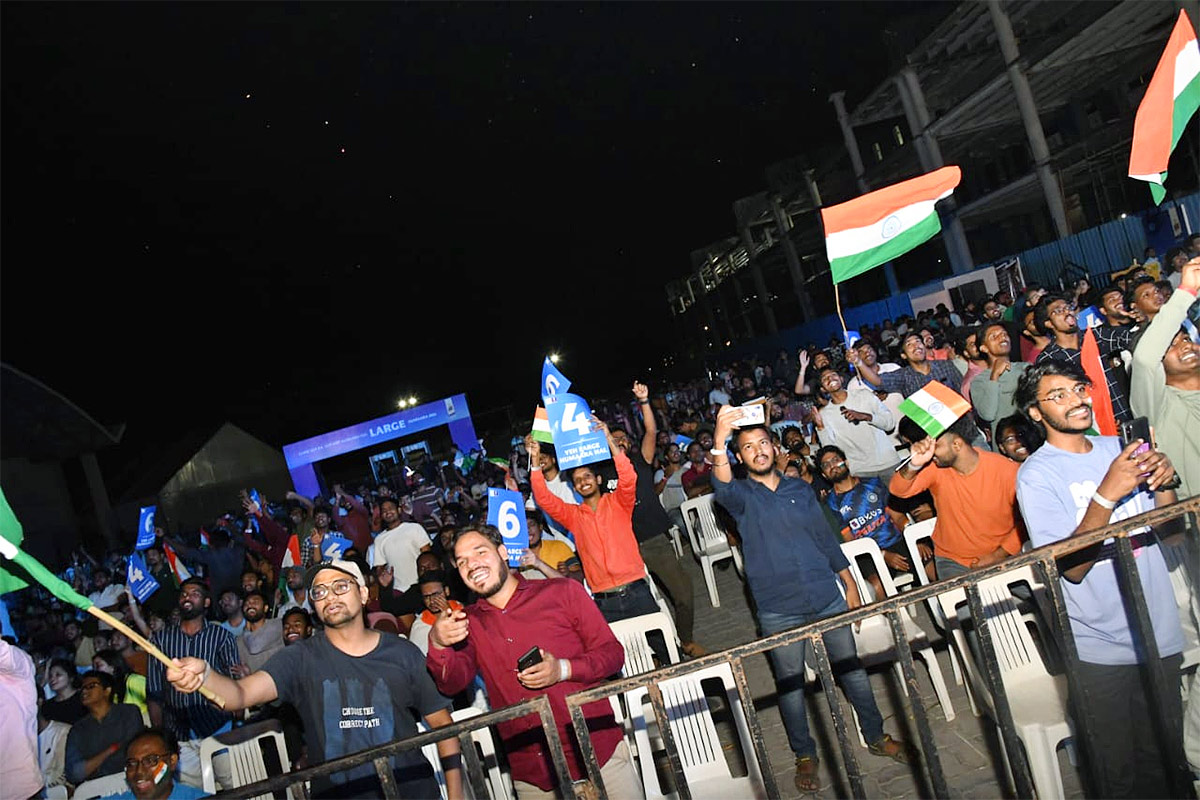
66, 705
96, 743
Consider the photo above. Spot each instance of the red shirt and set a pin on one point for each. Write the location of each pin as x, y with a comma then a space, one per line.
559, 617
604, 538
356, 525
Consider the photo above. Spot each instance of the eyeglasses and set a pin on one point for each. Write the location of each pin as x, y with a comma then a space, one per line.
832, 464
1062, 396
438, 593
321, 590
1011, 439
1058, 311
147, 762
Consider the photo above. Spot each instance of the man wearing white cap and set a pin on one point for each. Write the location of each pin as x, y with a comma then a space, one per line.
353, 688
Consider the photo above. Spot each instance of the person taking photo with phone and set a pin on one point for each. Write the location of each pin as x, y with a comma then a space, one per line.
528, 638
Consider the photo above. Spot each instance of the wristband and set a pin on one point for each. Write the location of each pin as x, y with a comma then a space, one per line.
717, 452
207, 669
1103, 501
564, 669
645, 402
535, 469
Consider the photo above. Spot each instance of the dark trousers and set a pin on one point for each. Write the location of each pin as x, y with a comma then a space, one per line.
659, 555
1127, 742
632, 601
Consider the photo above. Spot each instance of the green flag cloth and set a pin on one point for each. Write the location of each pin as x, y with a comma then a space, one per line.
28, 566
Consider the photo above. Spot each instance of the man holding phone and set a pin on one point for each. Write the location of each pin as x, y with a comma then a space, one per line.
528, 638
1076, 483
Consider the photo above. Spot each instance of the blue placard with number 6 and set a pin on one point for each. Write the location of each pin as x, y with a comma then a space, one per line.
506, 510
575, 443
145, 536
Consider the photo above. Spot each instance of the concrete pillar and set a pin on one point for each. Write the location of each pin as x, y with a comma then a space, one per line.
930, 156
793, 259
839, 105
741, 304
760, 284
1029, 116
104, 514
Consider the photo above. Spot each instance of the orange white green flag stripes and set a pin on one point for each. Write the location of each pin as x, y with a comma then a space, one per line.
541, 427
1170, 102
867, 231
935, 407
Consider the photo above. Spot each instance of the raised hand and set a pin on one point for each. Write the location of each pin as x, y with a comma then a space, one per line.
640, 391
450, 628
922, 452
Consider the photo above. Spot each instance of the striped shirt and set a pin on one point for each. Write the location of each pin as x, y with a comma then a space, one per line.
190, 716
908, 381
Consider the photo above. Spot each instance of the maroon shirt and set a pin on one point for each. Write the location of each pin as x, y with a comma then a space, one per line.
559, 617
356, 525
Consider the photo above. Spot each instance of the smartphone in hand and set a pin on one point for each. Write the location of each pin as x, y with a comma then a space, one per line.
532, 657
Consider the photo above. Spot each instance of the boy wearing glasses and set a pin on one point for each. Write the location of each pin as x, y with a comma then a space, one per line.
150, 763
354, 687
1075, 483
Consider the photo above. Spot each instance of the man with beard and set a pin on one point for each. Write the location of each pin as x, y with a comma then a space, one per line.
310, 546
858, 423
1077, 483
974, 492
1056, 317
354, 688
992, 391
603, 528
189, 717
793, 564
577, 651
917, 371
399, 545
261, 637
295, 595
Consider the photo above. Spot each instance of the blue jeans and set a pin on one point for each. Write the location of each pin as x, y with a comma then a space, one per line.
632, 601
788, 662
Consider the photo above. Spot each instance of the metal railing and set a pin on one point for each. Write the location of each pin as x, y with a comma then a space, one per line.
1044, 560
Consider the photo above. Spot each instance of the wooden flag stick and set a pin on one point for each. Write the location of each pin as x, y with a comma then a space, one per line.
145, 644
837, 298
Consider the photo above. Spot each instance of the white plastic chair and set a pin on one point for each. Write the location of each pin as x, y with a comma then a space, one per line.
874, 640
245, 748
499, 783
676, 540
696, 738
631, 633
708, 540
913, 533
1037, 699
102, 787
663, 606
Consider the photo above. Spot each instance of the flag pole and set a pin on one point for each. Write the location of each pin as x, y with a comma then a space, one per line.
145, 644
837, 299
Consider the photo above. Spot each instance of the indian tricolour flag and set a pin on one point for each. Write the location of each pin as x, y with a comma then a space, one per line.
541, 427
935, 407
867, 231
1170, 101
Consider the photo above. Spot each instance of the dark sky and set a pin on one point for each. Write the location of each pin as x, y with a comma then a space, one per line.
290, 215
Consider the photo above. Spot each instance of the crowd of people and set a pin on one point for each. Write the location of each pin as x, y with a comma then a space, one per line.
416, 612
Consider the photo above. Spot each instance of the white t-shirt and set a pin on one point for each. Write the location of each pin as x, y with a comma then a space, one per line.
106, 598
399, 547
717, 397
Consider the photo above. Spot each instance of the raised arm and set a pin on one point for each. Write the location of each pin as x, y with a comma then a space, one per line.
642, 393
302, 500
253, 690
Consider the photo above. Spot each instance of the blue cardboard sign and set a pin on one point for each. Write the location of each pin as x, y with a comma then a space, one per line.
256, 498
139, 579
506, 510
1089, 317
145, 536
334, 546
575, 442
553, 381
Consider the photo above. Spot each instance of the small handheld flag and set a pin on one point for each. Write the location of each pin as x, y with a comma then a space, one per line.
65, 593
1170, 102
541, 427
935, 407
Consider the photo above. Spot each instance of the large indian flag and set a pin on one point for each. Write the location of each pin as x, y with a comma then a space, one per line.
867, 231
1170, 101
935, 407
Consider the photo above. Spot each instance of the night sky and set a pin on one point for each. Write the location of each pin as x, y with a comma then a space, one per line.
288, 216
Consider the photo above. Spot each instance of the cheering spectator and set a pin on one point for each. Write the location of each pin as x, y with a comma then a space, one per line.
130, 687
19, 772
399, 545
261, 638
107, 595
354, 688
355, 521
974, 492
189, 716
150, 769
297, 626
1056, 316
542, 558
858, 423
862, 507
651, 526
575, 649
793, 564
437, 599
96, 743
66, 705
918, 370
991, 392
1143, 299
1016, 438
223, 558
230, 603
1165, 385
966, 343
697, 478
311, 545
603, 527
556, 482
1077, 483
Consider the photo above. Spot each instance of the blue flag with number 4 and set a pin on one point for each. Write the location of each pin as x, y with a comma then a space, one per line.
139, 579
553, 381
334, 546
506, 510
145, 536
575, 443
